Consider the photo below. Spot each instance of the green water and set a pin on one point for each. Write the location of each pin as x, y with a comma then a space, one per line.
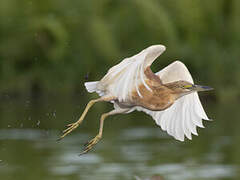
132, 144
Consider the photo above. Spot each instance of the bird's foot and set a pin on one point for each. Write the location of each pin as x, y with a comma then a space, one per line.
89, 145
70, 128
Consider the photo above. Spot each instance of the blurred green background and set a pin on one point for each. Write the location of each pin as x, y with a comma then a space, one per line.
49, 48
52, 46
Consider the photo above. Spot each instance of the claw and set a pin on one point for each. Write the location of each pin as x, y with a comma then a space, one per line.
68, 125
70, 128
85, 144
90, 144
84, 152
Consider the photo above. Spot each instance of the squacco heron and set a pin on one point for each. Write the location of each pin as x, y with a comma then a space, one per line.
169, 96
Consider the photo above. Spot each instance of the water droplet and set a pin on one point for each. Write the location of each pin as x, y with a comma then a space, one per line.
38, 123
54, 114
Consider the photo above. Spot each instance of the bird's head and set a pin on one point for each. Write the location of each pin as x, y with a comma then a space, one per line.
182, 88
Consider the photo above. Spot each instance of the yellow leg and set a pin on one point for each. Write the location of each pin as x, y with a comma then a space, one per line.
74, 125
89, 145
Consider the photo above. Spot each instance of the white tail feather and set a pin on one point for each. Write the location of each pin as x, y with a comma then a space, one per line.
91, 86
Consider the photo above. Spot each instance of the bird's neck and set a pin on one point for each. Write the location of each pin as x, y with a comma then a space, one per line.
182, 94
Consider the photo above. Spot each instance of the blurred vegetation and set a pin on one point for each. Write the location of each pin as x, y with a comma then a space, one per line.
55, 45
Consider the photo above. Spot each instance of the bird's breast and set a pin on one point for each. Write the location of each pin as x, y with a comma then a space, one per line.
158, 99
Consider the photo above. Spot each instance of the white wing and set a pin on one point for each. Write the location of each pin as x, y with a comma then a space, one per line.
186, 113
125, 77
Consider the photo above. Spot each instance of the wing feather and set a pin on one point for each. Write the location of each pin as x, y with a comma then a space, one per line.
183, 117
125, 77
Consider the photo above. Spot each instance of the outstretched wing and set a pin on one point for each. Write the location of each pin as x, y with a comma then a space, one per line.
186, 113
125, 77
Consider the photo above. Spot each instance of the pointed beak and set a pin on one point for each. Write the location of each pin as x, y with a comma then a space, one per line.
201, 88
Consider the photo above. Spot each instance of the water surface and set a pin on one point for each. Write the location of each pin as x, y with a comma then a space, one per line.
132, 144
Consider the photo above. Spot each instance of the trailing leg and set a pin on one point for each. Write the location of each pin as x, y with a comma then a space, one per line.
89, 145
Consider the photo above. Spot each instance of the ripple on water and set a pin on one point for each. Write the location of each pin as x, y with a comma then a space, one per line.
143, 133
84, 159
135, 157
22, 134
181, 171
70, 163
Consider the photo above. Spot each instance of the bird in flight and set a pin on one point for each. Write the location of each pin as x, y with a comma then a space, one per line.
169, 96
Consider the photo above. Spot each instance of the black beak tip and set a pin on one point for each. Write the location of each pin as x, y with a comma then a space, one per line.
207, 87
